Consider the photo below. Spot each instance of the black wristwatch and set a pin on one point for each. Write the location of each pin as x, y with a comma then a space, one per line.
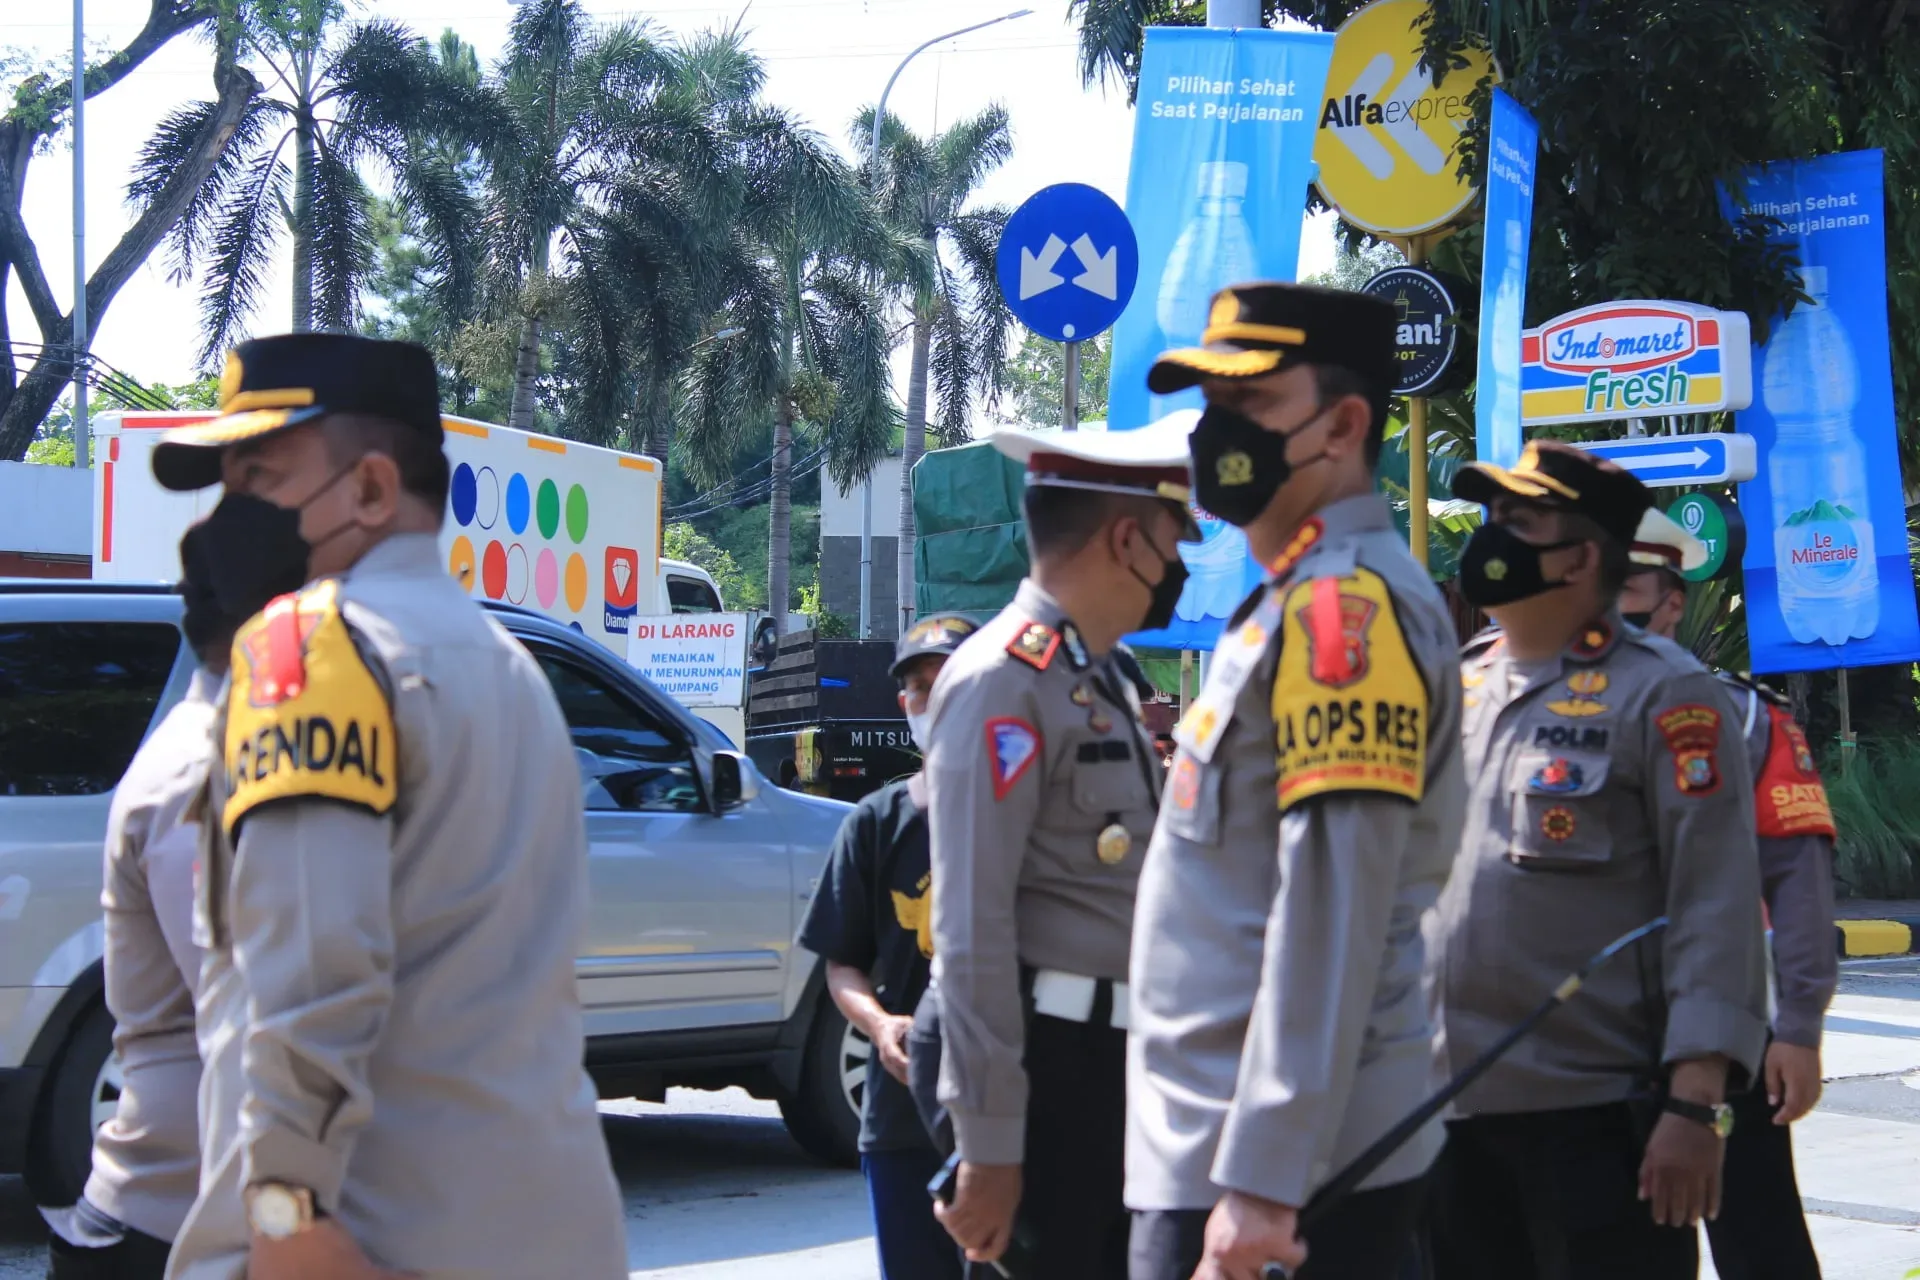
1718, 1117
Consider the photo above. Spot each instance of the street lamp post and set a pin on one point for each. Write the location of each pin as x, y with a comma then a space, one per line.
81, 427
866, 485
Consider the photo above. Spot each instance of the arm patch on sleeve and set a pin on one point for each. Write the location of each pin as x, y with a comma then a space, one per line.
305, 715
1692, 731
1349, 703
1790, 799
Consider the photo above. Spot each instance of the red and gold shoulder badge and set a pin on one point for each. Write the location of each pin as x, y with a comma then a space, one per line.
275, 651
1592, 642
1692, 731
1035, 645
1336, 625
1789, 798
1302, 541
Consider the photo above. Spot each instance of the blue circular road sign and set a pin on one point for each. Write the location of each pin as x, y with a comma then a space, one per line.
1068, 262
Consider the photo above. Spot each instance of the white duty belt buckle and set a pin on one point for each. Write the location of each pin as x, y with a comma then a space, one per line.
1069, 997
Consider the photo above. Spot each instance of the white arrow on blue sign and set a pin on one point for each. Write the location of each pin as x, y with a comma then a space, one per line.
1677, 460
1068, 299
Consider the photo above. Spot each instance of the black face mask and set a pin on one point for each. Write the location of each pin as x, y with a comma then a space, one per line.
1238, 465
1165, 594
244, 554
1499, 567
1639, 618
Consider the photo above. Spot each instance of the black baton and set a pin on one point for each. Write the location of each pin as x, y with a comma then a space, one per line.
1342, 1184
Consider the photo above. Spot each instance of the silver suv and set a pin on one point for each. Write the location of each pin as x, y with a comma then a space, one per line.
689, 974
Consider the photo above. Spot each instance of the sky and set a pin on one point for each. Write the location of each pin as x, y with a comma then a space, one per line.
826, 59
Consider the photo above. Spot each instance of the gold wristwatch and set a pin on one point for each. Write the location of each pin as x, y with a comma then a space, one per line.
278, 1210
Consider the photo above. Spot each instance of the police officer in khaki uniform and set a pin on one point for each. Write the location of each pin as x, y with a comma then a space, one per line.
1609, 786
146, 1158
392, 890
1762, 1229
1041, 789
1310, 818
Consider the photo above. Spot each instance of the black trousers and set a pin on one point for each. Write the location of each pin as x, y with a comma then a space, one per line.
1367, 1236
1074, 1177
138, 1256
1551, 1195
1761, 1233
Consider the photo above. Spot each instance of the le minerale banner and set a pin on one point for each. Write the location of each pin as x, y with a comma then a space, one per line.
1828, 581
1223, 143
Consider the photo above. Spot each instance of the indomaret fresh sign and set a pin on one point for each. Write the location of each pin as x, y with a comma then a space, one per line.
699, 659
1635, 359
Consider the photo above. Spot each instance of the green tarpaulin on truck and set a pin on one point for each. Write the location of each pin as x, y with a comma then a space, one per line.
970, 550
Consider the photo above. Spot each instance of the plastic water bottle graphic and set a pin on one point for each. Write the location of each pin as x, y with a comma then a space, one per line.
1505, 389
1212, 251
1218, 567
1823, 531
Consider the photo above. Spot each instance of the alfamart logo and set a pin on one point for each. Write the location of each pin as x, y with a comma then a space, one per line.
1633, 359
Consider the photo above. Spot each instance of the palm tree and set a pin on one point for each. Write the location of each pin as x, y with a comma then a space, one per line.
369, 94
961, 323
801, 261
607, 162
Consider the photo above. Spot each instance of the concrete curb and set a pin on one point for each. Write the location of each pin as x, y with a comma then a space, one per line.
1899, 936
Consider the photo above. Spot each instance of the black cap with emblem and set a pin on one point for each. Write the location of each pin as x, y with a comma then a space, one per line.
271, 384
937, 633
1264, 327
1554, 474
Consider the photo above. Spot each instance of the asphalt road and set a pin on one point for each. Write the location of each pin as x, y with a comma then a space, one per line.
716, 1191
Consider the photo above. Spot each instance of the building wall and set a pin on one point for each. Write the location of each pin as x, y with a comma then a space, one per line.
46, 512
840, 582
840, 550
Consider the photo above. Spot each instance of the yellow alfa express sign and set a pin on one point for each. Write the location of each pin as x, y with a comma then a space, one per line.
1387, 146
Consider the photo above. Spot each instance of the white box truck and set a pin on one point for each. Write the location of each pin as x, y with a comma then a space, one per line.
571, 530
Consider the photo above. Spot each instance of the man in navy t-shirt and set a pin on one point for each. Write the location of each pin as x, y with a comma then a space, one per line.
872, 921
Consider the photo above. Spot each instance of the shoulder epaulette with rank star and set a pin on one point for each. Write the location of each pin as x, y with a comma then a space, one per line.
1742, 680
1035, 645
1303, 540
1482, 643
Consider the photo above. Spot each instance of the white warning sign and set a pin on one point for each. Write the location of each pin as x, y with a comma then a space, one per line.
698, 659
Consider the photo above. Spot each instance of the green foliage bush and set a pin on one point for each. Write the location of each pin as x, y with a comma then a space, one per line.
1876, 809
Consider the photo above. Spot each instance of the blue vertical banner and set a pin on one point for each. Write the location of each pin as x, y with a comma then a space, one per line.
1513, 144
1223, 140
1828, 581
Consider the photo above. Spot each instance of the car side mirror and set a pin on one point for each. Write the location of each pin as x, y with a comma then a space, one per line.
727, 776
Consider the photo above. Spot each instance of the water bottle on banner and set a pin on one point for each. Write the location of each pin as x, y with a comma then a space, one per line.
1212, 251
1828, 582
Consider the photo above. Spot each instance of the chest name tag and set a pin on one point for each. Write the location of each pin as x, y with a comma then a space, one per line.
328, 735
1205, 723
1349, 705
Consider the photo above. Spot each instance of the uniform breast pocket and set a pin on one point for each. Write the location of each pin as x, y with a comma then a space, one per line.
1107, 779
1190, 805
1559, 810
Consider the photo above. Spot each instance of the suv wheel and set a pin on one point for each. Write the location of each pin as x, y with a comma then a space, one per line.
824, 1116
81, 1095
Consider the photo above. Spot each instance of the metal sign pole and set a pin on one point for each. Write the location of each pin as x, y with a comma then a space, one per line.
1070, 405
1416, 251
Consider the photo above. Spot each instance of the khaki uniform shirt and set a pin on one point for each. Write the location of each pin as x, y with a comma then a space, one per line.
1312, 814
1037, 750
392, 897
1608, 785
1796, 862
146, 1159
